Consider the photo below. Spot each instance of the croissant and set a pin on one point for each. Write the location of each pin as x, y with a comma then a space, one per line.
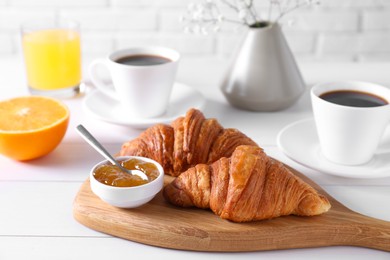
188, 141
248, 186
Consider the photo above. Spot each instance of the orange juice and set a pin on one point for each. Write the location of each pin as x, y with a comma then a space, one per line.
52, 58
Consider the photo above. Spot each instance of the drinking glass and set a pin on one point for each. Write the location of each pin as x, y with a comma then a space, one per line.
52, 53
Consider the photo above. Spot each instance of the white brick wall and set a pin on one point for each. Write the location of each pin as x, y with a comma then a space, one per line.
348, 30
318, 21
376, 20
6, 44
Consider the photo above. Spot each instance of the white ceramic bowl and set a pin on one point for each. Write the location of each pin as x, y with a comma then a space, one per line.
127, 197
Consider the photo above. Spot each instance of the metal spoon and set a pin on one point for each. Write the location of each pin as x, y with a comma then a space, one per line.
98, 147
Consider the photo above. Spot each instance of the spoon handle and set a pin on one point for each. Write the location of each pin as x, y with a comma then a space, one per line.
95, 144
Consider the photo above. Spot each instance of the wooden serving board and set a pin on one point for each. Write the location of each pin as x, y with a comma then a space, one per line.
160, 224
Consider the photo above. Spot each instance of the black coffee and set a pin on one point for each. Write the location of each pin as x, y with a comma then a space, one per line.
353, 98
142, 60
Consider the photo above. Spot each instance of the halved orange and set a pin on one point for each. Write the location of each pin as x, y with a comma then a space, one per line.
31, 126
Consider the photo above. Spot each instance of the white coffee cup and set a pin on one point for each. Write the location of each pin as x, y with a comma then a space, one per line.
142, 90
350, 135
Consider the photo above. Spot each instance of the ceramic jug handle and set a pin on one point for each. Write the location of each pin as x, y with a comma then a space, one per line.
98, 82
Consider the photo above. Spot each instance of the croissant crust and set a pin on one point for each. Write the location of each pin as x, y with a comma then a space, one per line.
247, 186
188, 141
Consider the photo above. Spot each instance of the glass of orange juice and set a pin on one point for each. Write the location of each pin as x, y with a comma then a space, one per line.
52, 57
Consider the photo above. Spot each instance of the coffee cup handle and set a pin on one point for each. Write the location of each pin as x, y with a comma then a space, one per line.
98, 82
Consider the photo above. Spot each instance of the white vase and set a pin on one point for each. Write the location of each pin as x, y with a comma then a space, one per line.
263, 74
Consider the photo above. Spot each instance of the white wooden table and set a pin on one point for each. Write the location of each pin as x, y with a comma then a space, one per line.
36, 197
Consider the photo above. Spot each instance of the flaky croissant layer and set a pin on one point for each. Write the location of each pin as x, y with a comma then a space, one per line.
188, 141
247, 186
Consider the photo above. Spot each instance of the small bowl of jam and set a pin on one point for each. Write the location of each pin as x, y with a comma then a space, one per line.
124, 190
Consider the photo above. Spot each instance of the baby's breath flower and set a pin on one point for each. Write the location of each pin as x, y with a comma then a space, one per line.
205, 15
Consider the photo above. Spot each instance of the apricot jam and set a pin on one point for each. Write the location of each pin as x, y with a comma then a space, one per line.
112, 175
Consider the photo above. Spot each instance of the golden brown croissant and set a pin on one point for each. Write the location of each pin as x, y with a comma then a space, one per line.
245, 187
188, 141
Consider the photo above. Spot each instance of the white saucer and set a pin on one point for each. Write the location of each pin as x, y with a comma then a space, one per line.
183, 97
299, 141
